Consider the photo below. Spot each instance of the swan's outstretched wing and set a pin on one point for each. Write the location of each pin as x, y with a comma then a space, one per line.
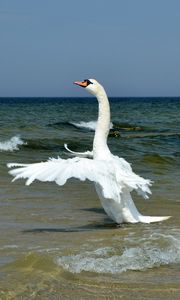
88, 154
60, 170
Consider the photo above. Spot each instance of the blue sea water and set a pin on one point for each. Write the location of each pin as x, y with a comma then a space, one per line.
53, 236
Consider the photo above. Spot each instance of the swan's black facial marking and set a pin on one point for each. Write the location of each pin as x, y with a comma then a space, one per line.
84, 83
88, 82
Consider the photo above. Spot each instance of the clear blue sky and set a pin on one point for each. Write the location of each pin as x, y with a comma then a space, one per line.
131, 46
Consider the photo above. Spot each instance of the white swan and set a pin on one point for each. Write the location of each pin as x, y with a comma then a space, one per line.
113, 177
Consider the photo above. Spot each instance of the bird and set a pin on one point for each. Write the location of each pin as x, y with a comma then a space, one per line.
112, 176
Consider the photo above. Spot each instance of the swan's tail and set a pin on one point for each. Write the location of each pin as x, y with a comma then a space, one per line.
148, 219
132, 215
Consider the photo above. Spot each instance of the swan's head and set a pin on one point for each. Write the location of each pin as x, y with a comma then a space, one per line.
91, 85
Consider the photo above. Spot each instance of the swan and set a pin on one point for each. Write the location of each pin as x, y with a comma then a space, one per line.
113, 176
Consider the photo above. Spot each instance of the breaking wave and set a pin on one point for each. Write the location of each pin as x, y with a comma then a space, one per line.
89, 125
109, 260
11, 144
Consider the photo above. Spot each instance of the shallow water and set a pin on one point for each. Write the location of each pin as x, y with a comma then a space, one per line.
57, 242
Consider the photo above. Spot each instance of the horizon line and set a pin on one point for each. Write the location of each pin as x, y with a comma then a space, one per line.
81, 97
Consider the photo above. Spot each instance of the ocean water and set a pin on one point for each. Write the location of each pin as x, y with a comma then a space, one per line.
57, 242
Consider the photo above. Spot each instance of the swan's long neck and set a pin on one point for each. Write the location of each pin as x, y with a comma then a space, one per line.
100, 148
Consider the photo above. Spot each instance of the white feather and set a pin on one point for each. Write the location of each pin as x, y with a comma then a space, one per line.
79, 154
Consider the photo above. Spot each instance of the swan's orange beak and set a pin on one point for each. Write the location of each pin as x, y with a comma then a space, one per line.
81, 83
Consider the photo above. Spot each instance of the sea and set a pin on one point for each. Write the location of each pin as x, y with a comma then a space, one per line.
57, 242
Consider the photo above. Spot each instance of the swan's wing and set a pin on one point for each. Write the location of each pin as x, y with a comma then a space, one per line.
60, 170
127, 178
88, 154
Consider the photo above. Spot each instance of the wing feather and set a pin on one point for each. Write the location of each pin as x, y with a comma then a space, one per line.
58, 170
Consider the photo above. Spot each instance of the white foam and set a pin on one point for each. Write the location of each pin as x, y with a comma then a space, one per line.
9, 247
89, 125
108, 260
11, 144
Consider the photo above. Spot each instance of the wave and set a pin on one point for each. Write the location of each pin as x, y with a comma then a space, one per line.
116, 128
115, 125
91, 125
123, 130
107, 260
88, 125
11, 144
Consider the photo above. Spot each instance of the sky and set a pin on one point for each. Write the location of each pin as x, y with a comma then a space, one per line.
131, 46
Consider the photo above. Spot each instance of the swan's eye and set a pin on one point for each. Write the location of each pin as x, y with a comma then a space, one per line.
88, 81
